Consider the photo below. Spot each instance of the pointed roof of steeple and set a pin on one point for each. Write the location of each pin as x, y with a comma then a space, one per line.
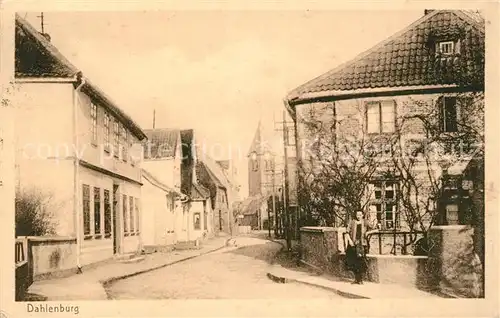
255, 146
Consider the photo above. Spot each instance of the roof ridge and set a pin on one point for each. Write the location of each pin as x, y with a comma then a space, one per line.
363, 54
46, 44
467, 15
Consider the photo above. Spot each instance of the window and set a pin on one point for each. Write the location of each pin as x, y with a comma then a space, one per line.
116, 139
130, 145
446, 47
197, 221
125, 216
449, 114
384, 203
137, 215
381, 117
97, 211
107, 131
254, 161
452, 214
124, 142
170, 202
86, 209
93, 117
107, 214
131, 213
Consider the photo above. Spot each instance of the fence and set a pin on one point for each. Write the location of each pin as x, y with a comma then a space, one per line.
23, 273
394, 242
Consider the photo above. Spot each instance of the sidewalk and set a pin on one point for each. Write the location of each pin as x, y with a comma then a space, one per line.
91, 284
368, 290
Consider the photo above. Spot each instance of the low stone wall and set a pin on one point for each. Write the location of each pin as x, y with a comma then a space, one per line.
51, 256
323, 248
457, 269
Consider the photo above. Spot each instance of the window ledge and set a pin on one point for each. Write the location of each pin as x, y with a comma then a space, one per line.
87, 237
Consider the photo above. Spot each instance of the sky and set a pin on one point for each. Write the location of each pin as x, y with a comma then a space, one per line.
217, 72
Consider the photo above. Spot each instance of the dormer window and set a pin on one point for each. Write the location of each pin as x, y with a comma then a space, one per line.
447, 48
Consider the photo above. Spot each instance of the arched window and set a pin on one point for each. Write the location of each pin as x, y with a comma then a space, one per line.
255, 161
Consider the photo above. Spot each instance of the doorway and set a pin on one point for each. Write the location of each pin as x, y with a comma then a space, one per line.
116, 236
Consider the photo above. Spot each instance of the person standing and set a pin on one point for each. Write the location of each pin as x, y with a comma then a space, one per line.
358, 230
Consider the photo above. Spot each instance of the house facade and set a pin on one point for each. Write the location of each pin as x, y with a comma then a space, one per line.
81, 156
212, 176
418, 84
162, 214
170, 156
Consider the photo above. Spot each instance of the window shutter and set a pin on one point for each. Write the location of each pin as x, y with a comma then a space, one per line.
441, 109
457, 47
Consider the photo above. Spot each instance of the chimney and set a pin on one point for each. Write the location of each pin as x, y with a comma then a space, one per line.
427, 11
46, 35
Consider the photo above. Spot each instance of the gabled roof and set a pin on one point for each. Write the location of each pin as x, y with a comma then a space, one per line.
153, 180
408, 58
211, 176
199, 192
161, 143
37, 57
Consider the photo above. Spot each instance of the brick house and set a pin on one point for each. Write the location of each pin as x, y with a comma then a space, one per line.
423, 64
75, 144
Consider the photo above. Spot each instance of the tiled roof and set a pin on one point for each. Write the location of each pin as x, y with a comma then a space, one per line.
161, 143
408, 58
37, 57
199, 192
212, 178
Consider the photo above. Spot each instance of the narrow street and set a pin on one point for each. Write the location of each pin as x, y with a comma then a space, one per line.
235, 273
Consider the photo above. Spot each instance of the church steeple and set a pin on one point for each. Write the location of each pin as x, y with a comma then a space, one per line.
257, 141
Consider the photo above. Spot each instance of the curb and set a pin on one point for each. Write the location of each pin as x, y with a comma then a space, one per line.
284, 280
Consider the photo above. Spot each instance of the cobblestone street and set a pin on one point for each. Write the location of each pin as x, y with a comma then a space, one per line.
238, 273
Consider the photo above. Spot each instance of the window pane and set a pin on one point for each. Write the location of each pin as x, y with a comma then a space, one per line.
373, 118
389, 190
450, 114
97, 211
388, 116
125, 215
86, 209
137, 215
131, 213
197, 221
107, 214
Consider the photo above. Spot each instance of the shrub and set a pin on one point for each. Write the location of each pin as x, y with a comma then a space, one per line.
33, 213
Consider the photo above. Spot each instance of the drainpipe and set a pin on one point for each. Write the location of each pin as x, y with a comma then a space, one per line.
76, 173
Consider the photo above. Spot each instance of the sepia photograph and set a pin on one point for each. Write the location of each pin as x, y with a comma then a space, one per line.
292, 155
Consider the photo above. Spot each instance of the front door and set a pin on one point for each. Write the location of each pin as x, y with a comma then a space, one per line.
116, 236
